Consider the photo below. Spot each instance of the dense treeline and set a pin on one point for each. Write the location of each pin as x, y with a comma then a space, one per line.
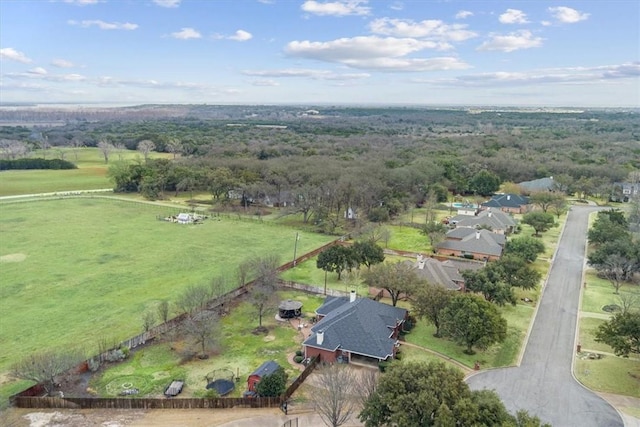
365, 158
36, 164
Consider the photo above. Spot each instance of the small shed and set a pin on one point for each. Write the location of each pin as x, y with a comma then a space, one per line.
267, 368
289, 309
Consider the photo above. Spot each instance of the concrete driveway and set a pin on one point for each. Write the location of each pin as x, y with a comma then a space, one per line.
543, 384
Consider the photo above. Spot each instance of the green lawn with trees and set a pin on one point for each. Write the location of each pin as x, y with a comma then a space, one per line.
111, 261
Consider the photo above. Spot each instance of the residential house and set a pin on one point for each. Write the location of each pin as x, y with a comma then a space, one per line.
476, 244
267, 368
625, 191
354, 329
491, 219
511, 203
443, 273
536, 185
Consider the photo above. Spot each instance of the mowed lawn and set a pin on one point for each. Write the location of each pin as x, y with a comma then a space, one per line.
77, 271
90, 175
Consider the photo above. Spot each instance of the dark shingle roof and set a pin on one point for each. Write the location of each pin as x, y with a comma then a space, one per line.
506, 201
476, 241
542, 184
438, 273
363, 326
267, 368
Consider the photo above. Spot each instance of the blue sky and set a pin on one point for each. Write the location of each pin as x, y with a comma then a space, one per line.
428, 52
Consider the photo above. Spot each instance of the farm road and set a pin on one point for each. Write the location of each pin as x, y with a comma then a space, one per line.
543, 384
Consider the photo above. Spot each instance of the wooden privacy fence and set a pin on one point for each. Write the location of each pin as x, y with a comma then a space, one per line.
164, 403
29, 400
146, 403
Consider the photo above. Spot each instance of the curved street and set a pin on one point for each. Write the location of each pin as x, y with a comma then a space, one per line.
543, 384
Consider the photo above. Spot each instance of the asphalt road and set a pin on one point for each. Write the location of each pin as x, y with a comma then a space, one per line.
543, 384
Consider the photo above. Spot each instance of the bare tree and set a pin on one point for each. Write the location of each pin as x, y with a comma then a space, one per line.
262, 293
335, 399
218, 288
192, 299
75, 144
628, 302
12, 149
174, 146
148, 320
105, 148
202, 329
44, 367
145, 147
120, 148
366, 384
163, 310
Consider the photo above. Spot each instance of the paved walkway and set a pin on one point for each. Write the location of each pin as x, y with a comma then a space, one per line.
543, 384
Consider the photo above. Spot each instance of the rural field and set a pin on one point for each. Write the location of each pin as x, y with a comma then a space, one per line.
80, 270
90, 175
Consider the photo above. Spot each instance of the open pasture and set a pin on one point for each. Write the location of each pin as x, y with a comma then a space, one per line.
90, 175
80, 270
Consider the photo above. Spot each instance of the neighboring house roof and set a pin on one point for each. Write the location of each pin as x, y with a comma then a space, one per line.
506, 201
475, 241
267, 368
363, 326
494, 219
542, 184
438, 273
464, 264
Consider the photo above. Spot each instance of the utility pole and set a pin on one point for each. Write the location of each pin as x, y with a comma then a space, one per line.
295, 248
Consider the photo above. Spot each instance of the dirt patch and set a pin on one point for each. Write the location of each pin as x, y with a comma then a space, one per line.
269, 338
13, 257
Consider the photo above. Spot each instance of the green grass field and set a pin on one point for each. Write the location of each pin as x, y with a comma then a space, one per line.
239, 352
76, 271
90, 175
611, 374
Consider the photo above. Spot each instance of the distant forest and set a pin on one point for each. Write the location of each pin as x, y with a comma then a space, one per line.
337, 157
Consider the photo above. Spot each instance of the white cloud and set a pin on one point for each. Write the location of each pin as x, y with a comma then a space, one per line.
62, 63
336, 8
463, 14
186, 34
434, 29
241, 36
265, 83
396, 6
575, 75
513, 16
13, 55
104, 25
38, 71
523, 39
167, 3
373, 52
567, 15
306, 73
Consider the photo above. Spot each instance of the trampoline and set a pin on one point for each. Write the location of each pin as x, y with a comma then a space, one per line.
221, 380
221, 386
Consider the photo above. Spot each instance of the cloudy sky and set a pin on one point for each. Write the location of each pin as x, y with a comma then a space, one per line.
430, 52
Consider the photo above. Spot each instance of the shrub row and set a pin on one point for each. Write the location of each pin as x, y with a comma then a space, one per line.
36, 164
